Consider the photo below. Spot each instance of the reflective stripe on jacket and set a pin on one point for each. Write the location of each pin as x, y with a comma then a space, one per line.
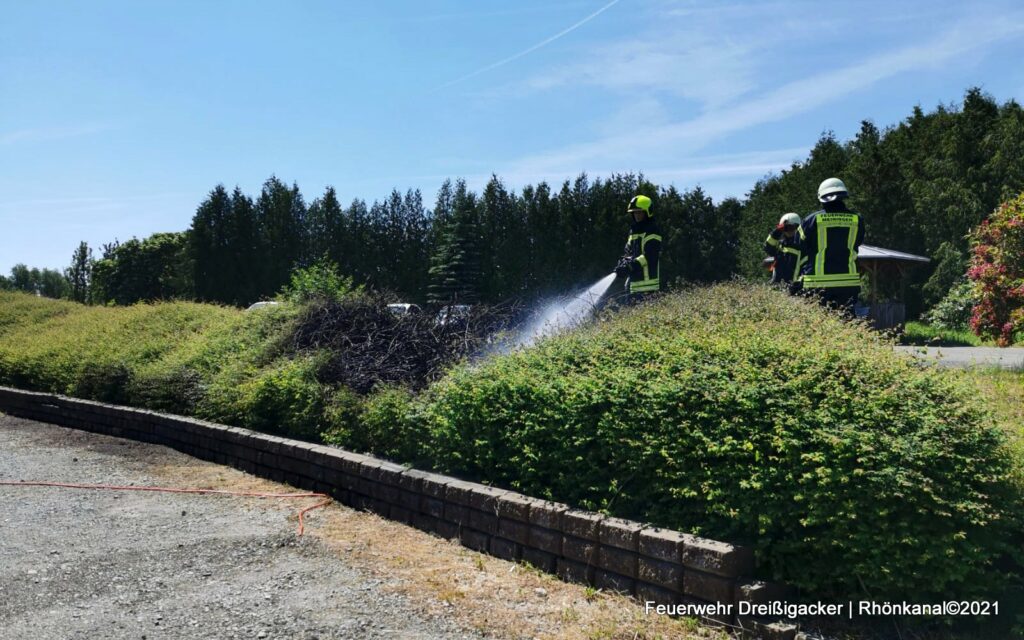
829, 241
786, 252
644, 246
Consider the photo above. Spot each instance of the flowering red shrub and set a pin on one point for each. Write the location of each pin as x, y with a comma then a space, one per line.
997, 268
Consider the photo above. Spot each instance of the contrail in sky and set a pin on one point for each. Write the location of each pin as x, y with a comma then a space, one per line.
524, 52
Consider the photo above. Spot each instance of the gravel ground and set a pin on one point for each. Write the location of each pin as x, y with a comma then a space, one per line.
104, 564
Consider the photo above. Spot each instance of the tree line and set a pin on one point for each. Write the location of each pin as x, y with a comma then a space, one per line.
921, 185
495, 246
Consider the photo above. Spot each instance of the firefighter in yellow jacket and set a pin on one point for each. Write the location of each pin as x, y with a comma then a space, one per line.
829, 241
783, 246
643, 249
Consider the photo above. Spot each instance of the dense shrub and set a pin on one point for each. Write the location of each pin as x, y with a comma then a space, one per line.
171, 389
733, 412
214, 362
181, 357
343, 414
953, 312
285, 399
93, 351
319, 281
384, 424
19, 310
997, 266
745, 415
106, 382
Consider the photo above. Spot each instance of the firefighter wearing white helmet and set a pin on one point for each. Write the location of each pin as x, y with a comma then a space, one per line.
831, 190
640, 263
829, 241
783, 246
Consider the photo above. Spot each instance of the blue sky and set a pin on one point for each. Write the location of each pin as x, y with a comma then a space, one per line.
117, 117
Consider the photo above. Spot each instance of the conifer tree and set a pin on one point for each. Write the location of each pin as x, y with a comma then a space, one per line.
243, 251
455, 276
79, 274
280, 214
210, 239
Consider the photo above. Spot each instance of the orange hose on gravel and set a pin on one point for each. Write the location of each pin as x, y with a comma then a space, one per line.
249, 494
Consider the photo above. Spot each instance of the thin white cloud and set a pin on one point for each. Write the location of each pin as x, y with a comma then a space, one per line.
787, 101
93, 206
748, 164
529, 50
91, 200
44, 134
701, 52
464, 15
684, 62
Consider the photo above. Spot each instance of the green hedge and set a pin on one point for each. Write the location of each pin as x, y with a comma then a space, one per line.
733, 412
744, 415
214, 362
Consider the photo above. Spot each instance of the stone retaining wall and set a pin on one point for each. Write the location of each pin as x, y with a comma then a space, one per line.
658, 565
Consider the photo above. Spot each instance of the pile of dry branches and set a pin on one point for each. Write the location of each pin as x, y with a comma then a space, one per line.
367, 344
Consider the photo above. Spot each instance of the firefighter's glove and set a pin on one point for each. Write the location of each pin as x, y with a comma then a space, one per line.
623, 268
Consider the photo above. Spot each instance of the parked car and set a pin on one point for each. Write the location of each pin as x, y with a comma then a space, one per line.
263, 303
402, 309
453, 314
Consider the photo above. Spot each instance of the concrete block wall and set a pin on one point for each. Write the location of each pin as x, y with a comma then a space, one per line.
659, 565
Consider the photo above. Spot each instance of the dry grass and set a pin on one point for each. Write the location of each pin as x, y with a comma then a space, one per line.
1004, 392
443, 579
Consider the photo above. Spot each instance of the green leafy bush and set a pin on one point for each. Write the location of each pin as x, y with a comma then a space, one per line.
71, 348
734, 412
320, 281
214, 362
285, 399
953, 312
172, 389
343, 414
20, 310
388, 426
106, 382
745, 415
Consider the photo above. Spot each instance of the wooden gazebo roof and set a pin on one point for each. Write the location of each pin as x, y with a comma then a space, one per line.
870, 253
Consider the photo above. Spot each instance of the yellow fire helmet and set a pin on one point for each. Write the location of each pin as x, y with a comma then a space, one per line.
639, 203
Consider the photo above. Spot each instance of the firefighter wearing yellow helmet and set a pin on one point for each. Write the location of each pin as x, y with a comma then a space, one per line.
643, 247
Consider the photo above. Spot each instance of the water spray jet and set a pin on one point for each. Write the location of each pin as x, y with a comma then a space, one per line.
559, 315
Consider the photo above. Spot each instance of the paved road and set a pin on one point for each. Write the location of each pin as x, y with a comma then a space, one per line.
97, 564
1009, 358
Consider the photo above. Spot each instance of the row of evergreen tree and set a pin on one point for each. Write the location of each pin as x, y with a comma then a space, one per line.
920, 185
493, 246
498, 245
